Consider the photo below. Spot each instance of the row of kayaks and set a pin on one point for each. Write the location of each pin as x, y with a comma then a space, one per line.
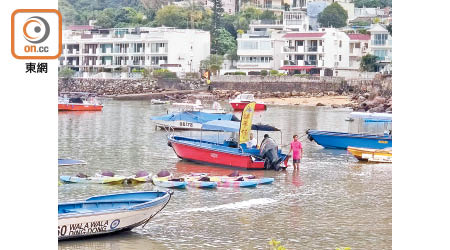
167, 180
107, 178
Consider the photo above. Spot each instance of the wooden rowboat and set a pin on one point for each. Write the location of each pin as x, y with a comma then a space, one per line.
372, 155
109, 213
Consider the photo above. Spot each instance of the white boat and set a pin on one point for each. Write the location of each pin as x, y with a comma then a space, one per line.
158, 101
109, 213
239, 103
188, 120
197, 106
371, 117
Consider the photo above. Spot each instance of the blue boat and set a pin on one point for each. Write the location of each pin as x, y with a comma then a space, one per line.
341, 140
189, 120
106, 214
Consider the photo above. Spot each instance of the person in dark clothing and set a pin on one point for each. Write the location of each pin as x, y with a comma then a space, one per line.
269, 151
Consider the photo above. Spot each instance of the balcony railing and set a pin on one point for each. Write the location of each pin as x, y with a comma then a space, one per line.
381, 42
312, 49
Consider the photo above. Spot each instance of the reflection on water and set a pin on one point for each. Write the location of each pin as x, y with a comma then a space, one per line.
332, 201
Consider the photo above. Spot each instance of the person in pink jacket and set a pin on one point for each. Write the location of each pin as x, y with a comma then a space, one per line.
297, 152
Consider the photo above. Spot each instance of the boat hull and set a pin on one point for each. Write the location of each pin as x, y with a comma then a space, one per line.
372, 155
239, 106
79, 107
344, 140
178, 125
88, 224
205, 155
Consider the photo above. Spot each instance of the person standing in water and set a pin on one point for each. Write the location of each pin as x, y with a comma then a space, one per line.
297, 149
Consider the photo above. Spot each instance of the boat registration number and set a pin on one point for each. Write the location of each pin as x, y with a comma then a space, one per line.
186, 124
384, 142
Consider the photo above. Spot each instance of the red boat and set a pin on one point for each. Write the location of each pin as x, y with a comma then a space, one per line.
79, 102
239, 103
228, 153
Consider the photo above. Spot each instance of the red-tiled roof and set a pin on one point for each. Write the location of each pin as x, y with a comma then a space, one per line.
80, 27
303, 35
359, 37
297, 67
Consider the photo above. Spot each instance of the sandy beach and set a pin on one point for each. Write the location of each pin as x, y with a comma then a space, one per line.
310, 101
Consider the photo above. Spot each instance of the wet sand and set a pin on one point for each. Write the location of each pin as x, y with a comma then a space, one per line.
309, 101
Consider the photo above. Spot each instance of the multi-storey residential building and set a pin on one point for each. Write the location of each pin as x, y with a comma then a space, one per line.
381, 46
256, 51
292, 21
86, 49
359, 47
322, 52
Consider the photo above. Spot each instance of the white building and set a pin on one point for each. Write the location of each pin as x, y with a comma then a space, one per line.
256, 51
381, 46
86, 49
359, 47
323, 52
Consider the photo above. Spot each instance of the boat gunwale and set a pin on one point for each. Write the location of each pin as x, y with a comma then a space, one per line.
141, 206
350, 135
172, 139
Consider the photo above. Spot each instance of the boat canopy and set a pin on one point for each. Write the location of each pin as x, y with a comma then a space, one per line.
195, 116
234, 126
372, 117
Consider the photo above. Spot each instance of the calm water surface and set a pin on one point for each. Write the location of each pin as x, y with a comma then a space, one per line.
332, 201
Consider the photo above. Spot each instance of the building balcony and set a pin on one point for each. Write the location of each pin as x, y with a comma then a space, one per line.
303, 63
254, 65
381, 43
303, 49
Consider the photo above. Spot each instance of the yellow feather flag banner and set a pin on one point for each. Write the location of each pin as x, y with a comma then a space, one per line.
246, 122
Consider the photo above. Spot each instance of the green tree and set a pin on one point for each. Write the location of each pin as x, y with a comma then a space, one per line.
333, 16
217, 14
222, 42
368, 63
389, 28
373, 3
172, 16
66, 73
212, 63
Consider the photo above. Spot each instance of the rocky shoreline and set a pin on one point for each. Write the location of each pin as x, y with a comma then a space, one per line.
368, 101
371, 100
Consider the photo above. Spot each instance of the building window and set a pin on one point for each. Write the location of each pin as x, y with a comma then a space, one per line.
340, 58
248, 45
357, 45
265, 45
340, 44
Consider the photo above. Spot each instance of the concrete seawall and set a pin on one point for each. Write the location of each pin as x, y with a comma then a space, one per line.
273, 84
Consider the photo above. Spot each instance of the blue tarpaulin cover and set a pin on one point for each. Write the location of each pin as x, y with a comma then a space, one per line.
234, 126
194, 116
